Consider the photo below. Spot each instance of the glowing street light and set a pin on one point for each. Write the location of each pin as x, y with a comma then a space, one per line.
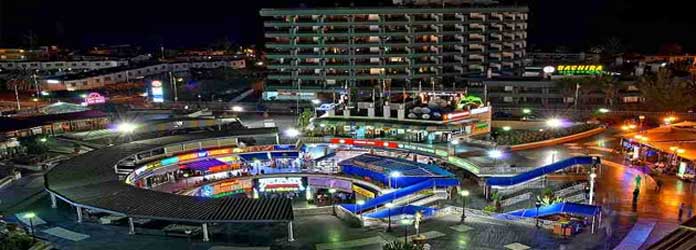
389, 206
554, 123
126, 127
507, 128
292, 132
360, 203
495, 153
31, 216
604, 110
237, 109
332, 191
316, 101
526, 111
464, 194
43, 139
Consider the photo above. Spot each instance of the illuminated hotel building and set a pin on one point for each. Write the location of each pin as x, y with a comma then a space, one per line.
392, 46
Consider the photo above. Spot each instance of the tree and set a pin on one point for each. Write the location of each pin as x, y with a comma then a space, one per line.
304, 118
610, 87
663, 92
568, 87
34, 145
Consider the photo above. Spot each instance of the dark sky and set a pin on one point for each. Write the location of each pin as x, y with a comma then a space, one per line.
640, 25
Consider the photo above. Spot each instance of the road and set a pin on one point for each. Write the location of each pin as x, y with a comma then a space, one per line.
616, 182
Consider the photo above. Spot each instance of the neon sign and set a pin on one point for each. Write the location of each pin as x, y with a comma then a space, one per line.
364, 143
94, 98
156, 91
580, 69
281, 184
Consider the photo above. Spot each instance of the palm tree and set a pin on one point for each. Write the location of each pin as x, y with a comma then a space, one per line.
663, 92
610, 87
568, 86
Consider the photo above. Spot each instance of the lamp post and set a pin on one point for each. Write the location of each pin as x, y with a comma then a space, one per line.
188, 236
316, 103
30, 216
389, 207
536, 216
360, 203
464, 194
405, 222
333, 206
186, 176
592, 181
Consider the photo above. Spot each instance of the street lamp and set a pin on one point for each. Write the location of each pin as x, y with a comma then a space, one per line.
507, 128
604, 110
495, 154
186, 176
554, 123
389, 206
464, 194
592, 181
536, 216
30, 216
292, 132
393, 174
237, 109
43, 139
360, 203
316, 103
405, 222
188, 235
526, 111
332, 191
126, 127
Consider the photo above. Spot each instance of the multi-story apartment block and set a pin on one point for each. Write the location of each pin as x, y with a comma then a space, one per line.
392, 46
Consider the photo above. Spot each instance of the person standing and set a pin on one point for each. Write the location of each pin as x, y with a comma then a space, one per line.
681, 211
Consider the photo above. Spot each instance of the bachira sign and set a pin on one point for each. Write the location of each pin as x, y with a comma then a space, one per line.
580, 69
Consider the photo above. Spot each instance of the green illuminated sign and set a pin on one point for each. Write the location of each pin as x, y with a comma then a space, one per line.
580, 69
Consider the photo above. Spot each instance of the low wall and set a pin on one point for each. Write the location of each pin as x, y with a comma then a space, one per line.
327, 210
7, 180
555, 141
519, 124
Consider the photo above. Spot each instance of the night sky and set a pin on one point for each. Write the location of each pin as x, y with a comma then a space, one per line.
640, 25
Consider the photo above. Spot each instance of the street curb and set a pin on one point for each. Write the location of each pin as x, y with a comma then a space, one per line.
555, 141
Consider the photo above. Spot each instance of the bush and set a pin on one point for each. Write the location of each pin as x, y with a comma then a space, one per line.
16, 242
399, 245
489, 208
516, 137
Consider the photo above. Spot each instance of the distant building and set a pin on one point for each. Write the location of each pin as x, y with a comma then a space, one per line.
62, 65
394, 46
100, 78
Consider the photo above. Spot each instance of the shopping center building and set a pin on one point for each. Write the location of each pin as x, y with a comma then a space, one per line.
429, 118
394, 46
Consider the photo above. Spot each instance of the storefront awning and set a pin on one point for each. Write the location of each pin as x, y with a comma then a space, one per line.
254, 156
204, 165
276, 155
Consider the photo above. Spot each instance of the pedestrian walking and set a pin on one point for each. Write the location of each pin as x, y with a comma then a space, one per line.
681, 211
